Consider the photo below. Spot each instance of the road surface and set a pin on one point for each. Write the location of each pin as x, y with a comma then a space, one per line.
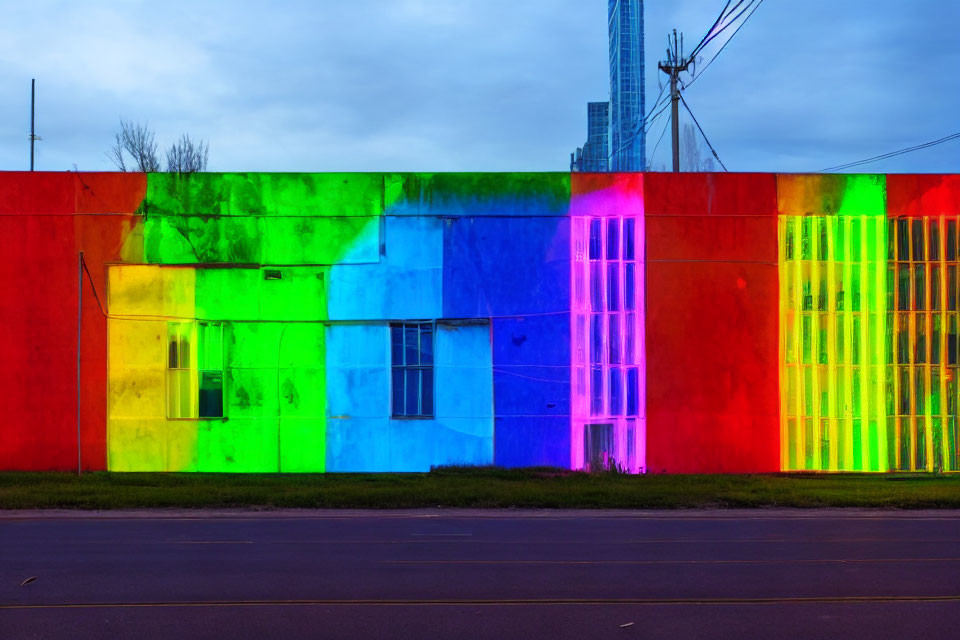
480, 574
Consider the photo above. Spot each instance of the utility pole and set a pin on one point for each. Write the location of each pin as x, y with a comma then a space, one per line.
33, 136
673, 66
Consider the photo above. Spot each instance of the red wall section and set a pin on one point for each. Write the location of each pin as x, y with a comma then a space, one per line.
105, 202
713, 398
40, 235
922, 195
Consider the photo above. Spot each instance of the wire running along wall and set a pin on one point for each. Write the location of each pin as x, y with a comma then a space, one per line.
800, 322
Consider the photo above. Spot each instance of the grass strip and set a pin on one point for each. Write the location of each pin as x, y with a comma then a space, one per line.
485, 487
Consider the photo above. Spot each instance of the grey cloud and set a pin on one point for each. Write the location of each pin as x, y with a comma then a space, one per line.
470, 85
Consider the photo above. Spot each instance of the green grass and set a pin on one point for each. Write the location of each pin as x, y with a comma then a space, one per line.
474, 487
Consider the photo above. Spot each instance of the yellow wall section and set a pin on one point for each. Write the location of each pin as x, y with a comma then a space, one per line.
140, 437
273, 372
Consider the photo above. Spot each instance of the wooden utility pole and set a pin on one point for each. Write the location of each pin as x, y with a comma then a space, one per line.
673, 66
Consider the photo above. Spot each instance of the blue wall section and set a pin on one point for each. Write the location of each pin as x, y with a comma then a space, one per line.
361, 435
404, 285
532, 388
517, 272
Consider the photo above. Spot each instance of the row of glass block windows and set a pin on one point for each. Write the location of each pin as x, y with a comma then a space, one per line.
909, 287
908, 240
614, 336
814, 233
618, 245
907, 441
907, 390
920, 239
926, 338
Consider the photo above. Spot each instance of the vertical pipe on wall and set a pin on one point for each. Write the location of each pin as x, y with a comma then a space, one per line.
283, 330
79, 334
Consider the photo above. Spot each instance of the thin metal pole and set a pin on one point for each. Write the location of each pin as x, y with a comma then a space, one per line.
79, 334
674, 116
33, 85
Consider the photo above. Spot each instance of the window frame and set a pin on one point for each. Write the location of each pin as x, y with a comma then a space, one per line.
404, 367
196, 373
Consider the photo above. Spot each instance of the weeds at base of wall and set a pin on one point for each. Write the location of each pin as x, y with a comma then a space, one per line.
474, 487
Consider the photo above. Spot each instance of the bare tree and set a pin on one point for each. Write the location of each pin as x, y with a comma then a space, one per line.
693, 156
187, 156
137, 141
659, 167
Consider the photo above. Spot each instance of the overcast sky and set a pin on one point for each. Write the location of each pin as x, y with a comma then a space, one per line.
468, 85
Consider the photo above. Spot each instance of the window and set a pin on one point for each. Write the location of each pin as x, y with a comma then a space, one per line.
194, 370
411, 348
598, 446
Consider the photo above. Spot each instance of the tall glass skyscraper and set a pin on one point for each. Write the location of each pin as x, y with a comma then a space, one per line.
628, 148
595, 154
625, 146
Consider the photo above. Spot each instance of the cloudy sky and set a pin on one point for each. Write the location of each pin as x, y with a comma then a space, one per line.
445, 85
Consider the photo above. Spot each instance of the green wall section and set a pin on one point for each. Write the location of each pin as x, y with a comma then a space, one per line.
274, 400
273, 345
262, 219
274, 374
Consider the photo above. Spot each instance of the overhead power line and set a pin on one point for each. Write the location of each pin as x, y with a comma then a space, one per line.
656, 103
655, 117
892, 154
710, 30
732, 36
731, 22
657, 146
702, 133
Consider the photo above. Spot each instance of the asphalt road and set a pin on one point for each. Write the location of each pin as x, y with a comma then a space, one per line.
480, 574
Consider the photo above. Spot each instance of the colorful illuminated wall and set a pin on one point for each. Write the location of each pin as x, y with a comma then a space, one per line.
371, 322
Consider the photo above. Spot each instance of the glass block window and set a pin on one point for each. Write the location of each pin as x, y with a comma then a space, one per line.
922, 344
607, 305
833, 326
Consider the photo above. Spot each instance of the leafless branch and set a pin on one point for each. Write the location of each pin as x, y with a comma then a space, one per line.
137, 141
187, 156
116, 153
